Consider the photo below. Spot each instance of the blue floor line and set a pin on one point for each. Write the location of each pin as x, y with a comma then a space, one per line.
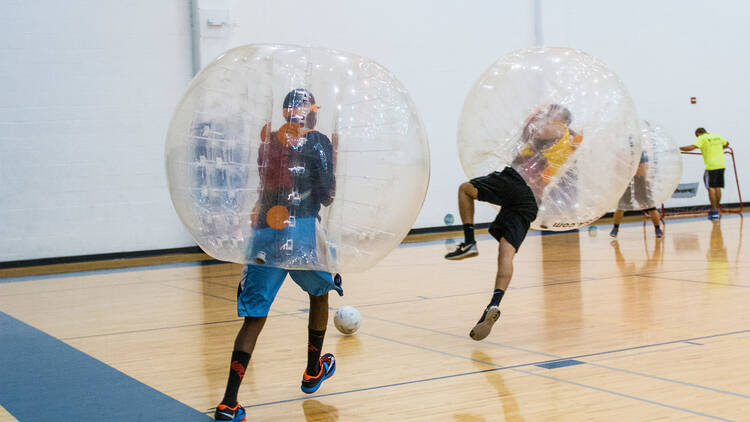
46, 379
628, 396
560, 363
578, 357
687, 384
496, 368
712, 283
550, 364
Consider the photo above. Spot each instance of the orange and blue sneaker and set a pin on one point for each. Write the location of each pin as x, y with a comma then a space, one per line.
310, 384
226, 413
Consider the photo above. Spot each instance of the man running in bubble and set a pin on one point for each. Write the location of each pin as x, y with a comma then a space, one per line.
296, 165
547, 143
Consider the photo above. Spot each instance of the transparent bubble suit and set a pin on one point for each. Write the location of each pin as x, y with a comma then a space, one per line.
298, 158
564, 121
658, 172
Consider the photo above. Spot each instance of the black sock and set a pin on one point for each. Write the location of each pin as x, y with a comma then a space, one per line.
617, 226
314, 344
468, 233
497, 296
236, 373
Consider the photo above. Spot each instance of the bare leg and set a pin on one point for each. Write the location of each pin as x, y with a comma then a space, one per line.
506, 253
244, 344
248, 334
655, 217
318, 312
505, 256
714, 195
467, 194
616, 220
718, 198
316, 331
618, 216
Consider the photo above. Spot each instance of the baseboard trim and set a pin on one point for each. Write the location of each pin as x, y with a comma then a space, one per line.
417, 232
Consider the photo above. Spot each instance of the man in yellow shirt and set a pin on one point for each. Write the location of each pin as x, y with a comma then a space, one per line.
712, 147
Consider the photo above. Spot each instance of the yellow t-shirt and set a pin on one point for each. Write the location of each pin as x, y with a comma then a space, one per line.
712, 148
557, 154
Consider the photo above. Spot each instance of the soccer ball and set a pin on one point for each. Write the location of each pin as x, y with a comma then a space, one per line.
347, 319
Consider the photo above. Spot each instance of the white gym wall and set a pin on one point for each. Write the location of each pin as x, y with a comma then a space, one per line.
88, 89
86, 92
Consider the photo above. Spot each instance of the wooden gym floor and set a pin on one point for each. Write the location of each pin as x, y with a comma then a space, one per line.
636, 329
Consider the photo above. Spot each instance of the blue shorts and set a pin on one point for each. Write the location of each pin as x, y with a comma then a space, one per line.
291, 247
259, 285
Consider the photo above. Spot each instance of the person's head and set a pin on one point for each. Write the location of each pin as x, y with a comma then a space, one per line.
700, 131
557, 113
299, 107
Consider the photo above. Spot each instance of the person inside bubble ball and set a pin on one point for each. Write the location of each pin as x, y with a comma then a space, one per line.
712, 148
638, 192
546, 144
296, 165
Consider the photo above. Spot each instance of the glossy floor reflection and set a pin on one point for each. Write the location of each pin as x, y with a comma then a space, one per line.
591, 329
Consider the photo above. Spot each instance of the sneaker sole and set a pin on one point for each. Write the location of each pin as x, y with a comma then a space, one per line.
460, 257
314, 388
482, 329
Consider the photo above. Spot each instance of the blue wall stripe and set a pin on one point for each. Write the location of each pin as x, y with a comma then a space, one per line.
42, 378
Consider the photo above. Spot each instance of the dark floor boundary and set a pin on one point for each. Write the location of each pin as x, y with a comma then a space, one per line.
196, 249
459, 227
99, 257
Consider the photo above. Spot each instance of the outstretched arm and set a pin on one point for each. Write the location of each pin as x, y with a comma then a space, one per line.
688, 148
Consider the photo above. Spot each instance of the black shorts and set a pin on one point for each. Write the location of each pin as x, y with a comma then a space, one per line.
714, 178
518, 206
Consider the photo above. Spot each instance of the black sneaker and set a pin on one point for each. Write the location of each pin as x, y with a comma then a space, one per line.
226, 413
485, 323
614, 231
463, 250
310, 384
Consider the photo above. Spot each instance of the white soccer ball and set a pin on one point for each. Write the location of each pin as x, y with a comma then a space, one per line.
347, 319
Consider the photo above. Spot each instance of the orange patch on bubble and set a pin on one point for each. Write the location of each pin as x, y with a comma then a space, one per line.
277, 217
289, 133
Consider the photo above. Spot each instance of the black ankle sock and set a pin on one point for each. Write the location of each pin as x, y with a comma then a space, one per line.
314, 344
617, 226
236, 373
497, 296
468, 233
